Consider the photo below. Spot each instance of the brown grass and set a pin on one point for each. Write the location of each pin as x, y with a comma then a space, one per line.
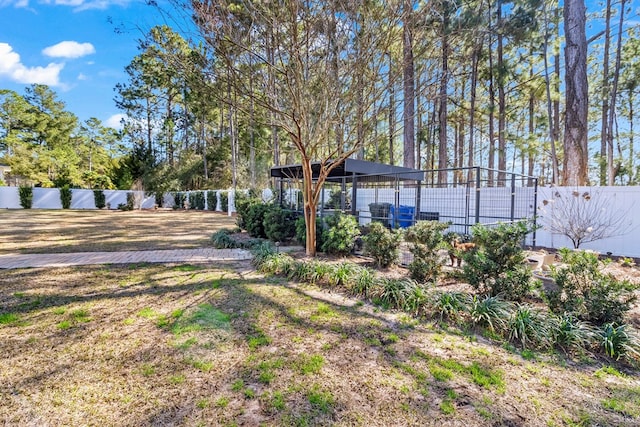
222, 345
44, 231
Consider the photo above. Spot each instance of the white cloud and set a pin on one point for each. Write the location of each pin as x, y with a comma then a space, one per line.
11, 67
69, 49
82, 77
115, 121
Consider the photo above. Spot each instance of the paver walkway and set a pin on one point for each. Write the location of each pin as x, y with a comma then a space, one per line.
127, 257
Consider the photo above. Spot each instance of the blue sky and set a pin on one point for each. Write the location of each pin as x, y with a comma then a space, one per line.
77, 47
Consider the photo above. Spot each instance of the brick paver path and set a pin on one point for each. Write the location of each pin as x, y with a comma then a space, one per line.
127, 257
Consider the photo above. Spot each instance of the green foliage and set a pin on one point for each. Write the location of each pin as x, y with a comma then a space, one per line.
618, 341
571, 333
301, 232
530, 327
394, 293
99, 199
364, 282
426, 238
224, 201
130, 201
382, 244
342, 274
221, 240
279, 224
196, 200
490, 312
243, 203
340, 235
335, 201
586, 292
449, 305
497, 267
253, 219
212, 200
26, 196
65, 197
178, 200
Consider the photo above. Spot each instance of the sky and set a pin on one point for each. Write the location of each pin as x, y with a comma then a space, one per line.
79, 48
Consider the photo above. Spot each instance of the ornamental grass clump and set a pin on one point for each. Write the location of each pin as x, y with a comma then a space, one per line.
490, 312
530, 327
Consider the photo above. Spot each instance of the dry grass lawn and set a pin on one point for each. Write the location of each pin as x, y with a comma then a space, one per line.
220, 344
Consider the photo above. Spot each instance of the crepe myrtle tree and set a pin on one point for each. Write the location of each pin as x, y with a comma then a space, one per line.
583, 216
315, 64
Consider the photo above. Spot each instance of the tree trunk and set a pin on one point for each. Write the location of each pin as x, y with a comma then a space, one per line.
472, 107
576, 154
409, 87
611, 168
392, 111
502, 115
442, 112
604, 120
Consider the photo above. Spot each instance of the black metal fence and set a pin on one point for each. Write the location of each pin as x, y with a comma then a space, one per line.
471, 196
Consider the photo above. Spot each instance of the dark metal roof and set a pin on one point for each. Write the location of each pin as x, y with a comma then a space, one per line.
349, 168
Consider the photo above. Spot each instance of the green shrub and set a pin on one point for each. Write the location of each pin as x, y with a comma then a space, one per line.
254, 219
224, 201
382, 244
196, 200
26, 196
279, 224
65, 197
497, 266
222, 240
99, 199
340, 235
342, 274
394, 293
159, 198
335, 201
364, 282
426, 238
178, 200
301, 232
212, 200
586, 292
243, 203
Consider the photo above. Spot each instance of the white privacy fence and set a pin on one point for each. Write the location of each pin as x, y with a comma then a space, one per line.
595, 204
49, 198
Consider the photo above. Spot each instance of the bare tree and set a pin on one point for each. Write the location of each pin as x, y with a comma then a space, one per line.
584, 216
313, 95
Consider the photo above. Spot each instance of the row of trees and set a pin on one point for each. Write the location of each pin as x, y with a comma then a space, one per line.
48, 146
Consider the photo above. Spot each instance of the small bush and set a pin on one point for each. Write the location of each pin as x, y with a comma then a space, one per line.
224, 201
340, 235
130, 201
178, 200
382, 244
279, 224
243, 204
395, 293
588, 293
26, 196
196, 200
158, 198
364, 282
335, 201
222, 240
212, 200
99, 199
65, 197
426, 238
342, 275
497, 266
253, 220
